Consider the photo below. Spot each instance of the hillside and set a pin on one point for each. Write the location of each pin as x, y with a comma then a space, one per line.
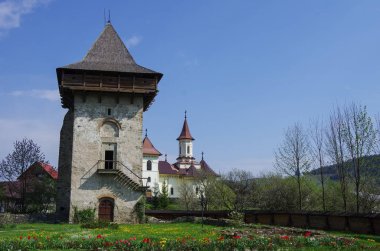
371, 168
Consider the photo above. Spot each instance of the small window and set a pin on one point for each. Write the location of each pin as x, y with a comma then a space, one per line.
148, 179
171, 190
149, 165
109, 111
196, 190
188, 149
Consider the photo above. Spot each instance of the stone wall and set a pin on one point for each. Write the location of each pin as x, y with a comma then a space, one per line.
64, 167
8, 218
100, 121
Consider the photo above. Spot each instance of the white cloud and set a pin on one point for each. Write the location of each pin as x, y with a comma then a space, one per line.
133, 41
51, 95
11, 12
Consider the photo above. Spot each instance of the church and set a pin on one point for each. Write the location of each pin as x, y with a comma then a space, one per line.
183, 171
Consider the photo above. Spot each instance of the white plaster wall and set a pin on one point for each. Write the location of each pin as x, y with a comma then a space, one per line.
175, 181
183, 146
153, 174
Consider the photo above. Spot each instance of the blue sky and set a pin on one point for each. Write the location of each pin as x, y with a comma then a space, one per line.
244, 70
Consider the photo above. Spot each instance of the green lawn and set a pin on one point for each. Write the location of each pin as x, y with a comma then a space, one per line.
177, 236
165, 230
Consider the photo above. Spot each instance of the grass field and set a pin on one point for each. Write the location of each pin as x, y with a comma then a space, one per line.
177, 236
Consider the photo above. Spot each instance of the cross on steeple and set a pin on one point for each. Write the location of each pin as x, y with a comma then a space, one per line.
146, 133
185, 114
202, 155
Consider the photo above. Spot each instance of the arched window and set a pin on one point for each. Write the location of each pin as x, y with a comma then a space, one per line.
171, 190
109, 129
188, 149
148, 180
149, 165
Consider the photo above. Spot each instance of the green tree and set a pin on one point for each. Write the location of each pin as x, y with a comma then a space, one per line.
164, 196
41, 197
359, 137
155, 197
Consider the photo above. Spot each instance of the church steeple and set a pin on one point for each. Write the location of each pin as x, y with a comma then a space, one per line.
185, 142
185, 133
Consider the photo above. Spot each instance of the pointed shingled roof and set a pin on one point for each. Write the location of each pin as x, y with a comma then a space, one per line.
149, 149
109, 53
185, 133
205, 167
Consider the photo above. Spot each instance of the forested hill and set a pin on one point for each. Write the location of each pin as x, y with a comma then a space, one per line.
371, 168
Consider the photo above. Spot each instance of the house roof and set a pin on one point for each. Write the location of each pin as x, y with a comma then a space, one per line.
109, 53
185, 133
149, 149
44, 166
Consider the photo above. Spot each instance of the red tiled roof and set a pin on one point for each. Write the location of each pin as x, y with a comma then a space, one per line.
148, 147
185, 133
46, 167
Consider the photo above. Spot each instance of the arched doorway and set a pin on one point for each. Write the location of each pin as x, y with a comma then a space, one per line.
106, 206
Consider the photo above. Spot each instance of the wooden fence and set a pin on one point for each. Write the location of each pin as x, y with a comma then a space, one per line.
357, 223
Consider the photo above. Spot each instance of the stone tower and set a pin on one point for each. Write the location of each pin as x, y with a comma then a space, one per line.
100, 155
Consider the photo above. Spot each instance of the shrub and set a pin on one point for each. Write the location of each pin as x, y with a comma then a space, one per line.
236, 217
139, 209
84, 215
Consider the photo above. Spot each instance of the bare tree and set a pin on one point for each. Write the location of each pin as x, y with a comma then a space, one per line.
335, 150
359, 138
187, 196
317, 132
25, 153
240, 181
293, 156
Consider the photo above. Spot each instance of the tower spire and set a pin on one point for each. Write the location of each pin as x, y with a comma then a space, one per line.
202, 154
146, 132
185, 133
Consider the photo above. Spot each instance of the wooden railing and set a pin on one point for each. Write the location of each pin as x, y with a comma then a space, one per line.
108, 81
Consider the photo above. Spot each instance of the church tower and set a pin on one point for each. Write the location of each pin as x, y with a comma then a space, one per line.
185, 142
100, 155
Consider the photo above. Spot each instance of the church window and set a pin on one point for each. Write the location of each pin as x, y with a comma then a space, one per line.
109, 111
196, 190
179, 149
171, 190
188, 149
148, 180
149, 165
